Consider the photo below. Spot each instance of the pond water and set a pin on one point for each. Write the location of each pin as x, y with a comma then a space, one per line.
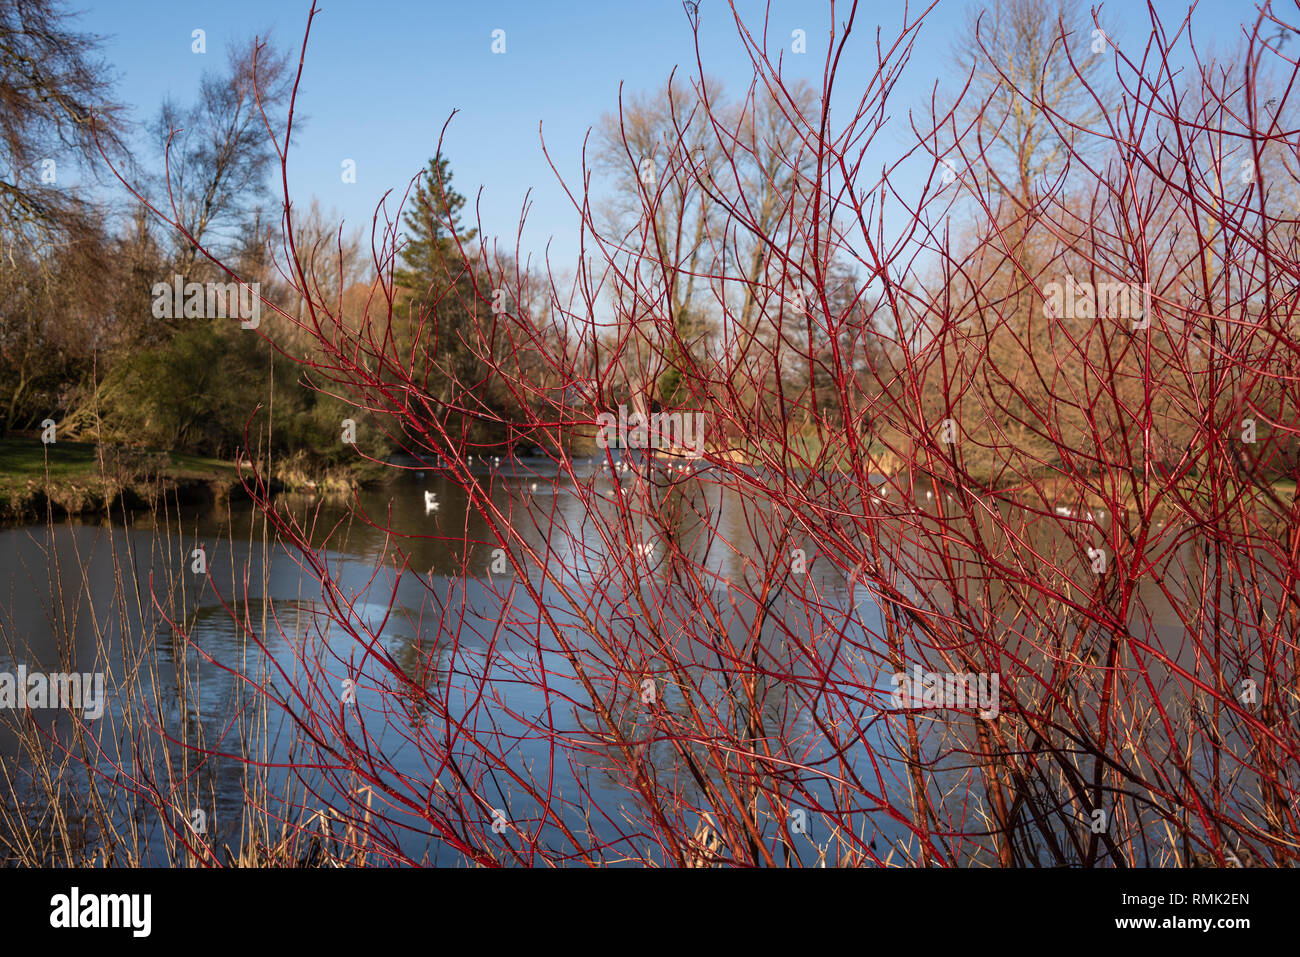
97, 596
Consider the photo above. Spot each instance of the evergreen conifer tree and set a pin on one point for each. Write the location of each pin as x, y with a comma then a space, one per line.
432, 221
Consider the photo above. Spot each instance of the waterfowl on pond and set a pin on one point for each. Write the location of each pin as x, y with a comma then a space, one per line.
1071, 513
430, 502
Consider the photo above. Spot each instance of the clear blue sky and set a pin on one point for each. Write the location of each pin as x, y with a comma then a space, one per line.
383, 75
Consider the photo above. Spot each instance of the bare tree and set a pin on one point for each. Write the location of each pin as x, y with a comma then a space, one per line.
55, 98
1025, 59
217, 151
683, 160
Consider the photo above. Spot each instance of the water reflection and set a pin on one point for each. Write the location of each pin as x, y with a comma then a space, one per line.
101, 596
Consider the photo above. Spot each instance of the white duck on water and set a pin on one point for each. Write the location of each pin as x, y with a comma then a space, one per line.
1071, 513
430, 502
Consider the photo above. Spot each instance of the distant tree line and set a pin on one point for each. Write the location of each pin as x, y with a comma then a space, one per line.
79, 340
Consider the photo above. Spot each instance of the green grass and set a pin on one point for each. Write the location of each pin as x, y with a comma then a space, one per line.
24, 460
1284, 488
71, 476
829, 450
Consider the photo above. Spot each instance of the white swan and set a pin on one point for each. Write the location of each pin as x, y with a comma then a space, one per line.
1071, 513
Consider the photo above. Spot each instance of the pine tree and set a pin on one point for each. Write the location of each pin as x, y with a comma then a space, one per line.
444, 322
433, 223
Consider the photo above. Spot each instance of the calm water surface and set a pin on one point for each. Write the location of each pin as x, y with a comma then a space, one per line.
70, 590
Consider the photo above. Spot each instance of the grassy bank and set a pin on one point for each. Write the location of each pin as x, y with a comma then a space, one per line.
73, 478
78, 478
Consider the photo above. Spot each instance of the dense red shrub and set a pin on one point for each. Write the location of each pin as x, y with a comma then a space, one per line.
1039, 433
